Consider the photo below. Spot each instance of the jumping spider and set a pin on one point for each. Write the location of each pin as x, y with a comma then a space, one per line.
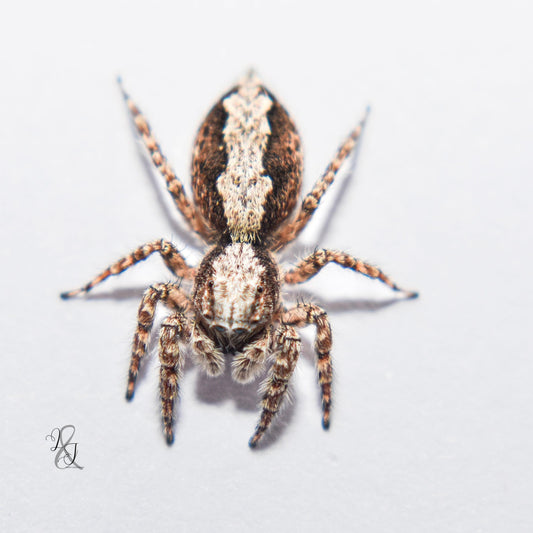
247, 172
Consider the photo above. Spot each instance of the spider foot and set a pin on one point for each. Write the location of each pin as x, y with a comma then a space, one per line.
256, 437
325, 420
169, 436
130, 390
70, 294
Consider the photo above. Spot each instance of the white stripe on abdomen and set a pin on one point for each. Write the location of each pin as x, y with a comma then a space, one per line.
243, 186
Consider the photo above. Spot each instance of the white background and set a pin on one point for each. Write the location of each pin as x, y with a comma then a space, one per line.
432, 424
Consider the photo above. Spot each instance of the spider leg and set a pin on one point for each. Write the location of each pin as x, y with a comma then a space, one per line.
246, 365
174, 185
174, 298
172, 258
174, 329
310, 202
277, 382
312, 264
302, 315
206, 351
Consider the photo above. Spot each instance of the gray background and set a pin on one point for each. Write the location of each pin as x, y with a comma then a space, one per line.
432, 426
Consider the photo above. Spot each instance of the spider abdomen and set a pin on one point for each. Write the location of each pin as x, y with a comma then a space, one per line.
247, 164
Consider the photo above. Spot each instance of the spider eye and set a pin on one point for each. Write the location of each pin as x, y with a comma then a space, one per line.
210, 284
260, 289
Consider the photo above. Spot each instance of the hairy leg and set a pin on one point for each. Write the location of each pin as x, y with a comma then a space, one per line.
246, 365
310, 202
276, 384
206, 352
302, 315
312, 264
172, 258
174, 185
174, 329
167, 293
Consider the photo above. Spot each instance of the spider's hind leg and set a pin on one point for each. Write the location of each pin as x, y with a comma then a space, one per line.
310, 202
174, 185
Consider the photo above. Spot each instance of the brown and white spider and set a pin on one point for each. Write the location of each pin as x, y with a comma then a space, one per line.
247, 172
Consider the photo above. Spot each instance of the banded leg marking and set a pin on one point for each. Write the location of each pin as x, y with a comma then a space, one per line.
170, 254
174, 329
167, 293
174, 185
311, 201
312, 264
302, 315
289, 346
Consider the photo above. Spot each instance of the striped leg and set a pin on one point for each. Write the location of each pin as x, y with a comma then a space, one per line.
278, 380
312, 264
172, 258
167, 293
174, 329
302, 315
174, 185
311, 201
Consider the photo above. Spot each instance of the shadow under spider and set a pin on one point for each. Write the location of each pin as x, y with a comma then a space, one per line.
215, 390
126, 293
339, 306
245, 397
292, 296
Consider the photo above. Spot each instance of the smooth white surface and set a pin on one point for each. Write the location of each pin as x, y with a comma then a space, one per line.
432, 425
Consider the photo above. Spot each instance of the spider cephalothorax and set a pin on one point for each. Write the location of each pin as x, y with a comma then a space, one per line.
247, 169
236, 293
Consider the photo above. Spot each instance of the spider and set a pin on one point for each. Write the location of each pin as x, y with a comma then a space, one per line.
246, 179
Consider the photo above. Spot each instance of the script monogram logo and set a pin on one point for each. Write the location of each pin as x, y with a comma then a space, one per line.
66, 450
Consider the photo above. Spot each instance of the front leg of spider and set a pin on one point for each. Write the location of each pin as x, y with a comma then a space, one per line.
305, 314
247, 174
170, 295
175, 329
275, 386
